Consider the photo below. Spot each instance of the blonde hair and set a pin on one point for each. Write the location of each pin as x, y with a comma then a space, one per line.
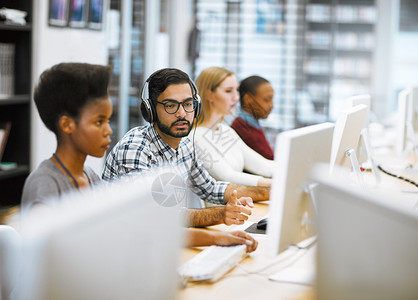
208, 81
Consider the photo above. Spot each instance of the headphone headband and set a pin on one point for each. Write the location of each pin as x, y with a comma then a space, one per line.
148, 108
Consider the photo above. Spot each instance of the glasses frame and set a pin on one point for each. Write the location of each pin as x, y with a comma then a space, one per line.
170, 101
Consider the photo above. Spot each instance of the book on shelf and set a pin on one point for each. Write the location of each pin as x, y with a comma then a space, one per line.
4, 134
7, 72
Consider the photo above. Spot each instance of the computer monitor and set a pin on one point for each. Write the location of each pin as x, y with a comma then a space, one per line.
115, 242
346, 137
352, 102
361, 99
367, 243
364, 151
407, 119
291, 210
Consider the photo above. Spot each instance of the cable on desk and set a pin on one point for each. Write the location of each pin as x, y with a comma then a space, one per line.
398, 176
288, 261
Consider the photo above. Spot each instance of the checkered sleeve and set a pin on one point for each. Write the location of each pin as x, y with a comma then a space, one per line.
129, 155
205, 186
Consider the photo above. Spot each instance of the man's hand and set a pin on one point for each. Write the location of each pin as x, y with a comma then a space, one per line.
235, 238
236, 211
200, 237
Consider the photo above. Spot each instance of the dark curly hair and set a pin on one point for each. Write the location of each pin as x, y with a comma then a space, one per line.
66, 88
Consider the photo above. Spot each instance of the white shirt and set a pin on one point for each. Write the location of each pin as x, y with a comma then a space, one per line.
226, 156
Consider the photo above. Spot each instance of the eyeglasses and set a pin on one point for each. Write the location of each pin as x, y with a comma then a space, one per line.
172, 106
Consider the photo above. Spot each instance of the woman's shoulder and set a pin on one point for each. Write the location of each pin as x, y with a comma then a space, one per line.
92, 175
199, 131
201, 128
43, 180
224, 134
46, 167
225, 128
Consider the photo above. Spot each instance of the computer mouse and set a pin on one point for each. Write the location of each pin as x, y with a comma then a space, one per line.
262, 224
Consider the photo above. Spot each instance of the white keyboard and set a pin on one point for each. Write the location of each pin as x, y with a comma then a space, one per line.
212, 263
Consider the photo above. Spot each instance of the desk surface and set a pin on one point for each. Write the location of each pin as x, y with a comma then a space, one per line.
238, 284
404, 193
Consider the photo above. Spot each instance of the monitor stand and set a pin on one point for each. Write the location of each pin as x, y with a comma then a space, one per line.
310, 189
291, 273
365, 140
351, 154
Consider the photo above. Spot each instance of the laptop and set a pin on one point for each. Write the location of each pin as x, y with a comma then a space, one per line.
367, 245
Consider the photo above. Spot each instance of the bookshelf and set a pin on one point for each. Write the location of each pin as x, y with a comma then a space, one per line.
338, 43
15, 101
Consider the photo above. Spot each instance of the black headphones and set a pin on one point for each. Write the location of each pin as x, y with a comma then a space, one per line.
148, 108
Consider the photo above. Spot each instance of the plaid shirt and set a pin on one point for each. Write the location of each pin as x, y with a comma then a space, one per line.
142, 149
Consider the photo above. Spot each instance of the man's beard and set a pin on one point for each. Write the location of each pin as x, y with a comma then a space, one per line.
167, 130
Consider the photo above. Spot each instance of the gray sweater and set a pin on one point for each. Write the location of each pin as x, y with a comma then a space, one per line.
47, 183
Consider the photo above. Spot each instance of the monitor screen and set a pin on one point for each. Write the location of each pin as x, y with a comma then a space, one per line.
346, 136
116, 242
291, 211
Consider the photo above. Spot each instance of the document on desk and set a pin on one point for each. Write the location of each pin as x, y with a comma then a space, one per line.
295, 275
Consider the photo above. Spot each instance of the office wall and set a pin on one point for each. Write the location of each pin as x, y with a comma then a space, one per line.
52, 45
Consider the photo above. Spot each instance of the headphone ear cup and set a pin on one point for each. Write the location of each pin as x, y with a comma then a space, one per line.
196, 97
147, 111
198, 109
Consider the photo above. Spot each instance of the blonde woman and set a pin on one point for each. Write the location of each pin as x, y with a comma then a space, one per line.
217, 145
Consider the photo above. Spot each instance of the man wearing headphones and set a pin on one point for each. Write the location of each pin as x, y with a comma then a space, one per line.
170, 103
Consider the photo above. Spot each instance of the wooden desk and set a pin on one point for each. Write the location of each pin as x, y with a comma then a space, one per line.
238, 284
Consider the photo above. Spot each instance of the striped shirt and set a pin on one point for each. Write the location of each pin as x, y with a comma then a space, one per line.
142, 149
